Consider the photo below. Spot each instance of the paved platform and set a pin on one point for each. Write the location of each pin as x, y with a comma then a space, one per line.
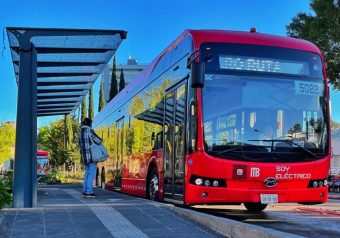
62, 212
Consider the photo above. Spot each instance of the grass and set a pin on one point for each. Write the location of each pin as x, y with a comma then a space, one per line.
60, 177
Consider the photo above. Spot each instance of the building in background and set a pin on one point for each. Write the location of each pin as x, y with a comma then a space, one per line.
130, 69
10, 123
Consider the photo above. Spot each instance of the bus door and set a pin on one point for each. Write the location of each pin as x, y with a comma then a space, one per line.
119, 152
174, 140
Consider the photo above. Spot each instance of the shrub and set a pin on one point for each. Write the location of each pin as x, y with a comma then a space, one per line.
53, 177
5, 192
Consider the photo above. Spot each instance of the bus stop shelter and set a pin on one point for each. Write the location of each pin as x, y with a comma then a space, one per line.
54, 70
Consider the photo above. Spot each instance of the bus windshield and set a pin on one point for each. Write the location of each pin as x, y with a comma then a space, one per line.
263, 103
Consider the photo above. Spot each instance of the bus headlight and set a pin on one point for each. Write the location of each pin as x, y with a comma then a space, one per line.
317, 183
198, 181
208, 182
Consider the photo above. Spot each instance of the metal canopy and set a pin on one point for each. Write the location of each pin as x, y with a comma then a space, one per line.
68, 63
54, 69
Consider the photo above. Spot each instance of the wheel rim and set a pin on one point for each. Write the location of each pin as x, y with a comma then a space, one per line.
153, 187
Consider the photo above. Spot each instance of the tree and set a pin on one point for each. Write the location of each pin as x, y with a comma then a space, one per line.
43, 137
122, 80
323, 29
51, 139
7, 141
69, 131
91, 105
101, 104
83, 110
114, 86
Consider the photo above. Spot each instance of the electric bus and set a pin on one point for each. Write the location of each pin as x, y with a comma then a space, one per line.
222, 117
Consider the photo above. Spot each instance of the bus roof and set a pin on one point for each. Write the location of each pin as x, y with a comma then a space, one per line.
201, 36
242, 37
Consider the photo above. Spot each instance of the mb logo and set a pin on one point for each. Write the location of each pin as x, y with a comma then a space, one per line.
254, 172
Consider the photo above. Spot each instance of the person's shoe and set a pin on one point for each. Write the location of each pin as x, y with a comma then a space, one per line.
90, 195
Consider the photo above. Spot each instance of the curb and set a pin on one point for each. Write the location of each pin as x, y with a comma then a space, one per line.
2, 217
230, 228
334, 196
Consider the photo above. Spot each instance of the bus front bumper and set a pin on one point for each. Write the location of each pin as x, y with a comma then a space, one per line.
209, 195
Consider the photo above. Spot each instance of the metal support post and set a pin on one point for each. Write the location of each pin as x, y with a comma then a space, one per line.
24, 186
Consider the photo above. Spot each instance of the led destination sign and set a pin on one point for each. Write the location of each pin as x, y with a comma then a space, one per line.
245, 63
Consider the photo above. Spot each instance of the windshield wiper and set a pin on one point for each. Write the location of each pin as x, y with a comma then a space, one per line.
231, 149
289, 142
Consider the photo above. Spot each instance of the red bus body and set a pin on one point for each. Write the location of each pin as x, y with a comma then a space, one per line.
157, 124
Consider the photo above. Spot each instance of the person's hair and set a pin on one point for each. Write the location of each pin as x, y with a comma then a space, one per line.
87, 122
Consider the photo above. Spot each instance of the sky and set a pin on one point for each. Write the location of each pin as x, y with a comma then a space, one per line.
151, 26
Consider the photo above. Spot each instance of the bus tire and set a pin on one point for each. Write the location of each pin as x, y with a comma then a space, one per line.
255, 207
152, 186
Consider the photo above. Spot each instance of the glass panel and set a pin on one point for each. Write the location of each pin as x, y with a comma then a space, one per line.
119, 152
168, 140
81, 41
263, 103
270, 117
179, 138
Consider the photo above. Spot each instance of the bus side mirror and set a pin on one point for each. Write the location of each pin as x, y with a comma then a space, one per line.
197, 74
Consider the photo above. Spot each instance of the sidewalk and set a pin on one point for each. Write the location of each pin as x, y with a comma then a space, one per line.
62, 212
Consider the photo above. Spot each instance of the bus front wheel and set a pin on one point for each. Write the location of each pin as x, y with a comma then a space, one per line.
255, 207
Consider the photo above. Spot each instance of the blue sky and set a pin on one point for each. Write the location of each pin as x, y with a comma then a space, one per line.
151, 26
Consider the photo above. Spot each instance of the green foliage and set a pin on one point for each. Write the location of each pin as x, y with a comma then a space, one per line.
83, 110
51, 138
57, 176
53, 177
101, 97
323, 29
7, 140
6, 190
122, 80
43, 138
69, 132
91, 105
114, 86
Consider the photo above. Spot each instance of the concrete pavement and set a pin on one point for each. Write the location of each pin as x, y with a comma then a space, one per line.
62, 212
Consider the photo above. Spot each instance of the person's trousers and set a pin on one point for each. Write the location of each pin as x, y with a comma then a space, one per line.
89, 174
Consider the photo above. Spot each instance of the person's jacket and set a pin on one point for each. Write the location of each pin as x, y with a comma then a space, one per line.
84, 142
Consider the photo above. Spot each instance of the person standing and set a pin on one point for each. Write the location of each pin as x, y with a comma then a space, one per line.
87, 135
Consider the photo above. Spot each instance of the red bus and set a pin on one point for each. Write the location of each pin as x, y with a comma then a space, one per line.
222, 117
43, 163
